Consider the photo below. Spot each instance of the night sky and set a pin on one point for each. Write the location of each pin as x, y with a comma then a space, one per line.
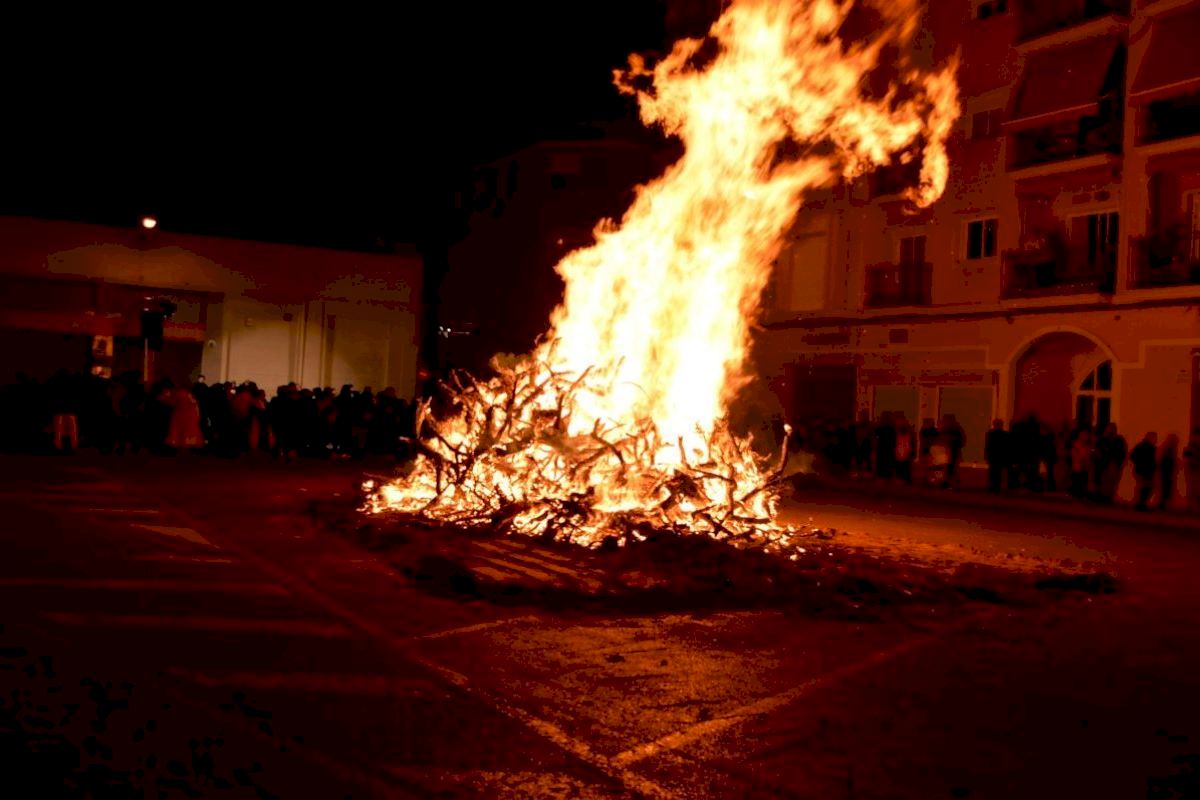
330, 126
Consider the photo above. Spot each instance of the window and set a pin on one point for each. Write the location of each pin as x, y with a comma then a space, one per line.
981, 239
986, 9
1094, 237
912, 251
986, 124
1093, 400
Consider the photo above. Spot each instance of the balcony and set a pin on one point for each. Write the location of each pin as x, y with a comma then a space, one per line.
1065, 141
1040, 18
893, 180
891, 285
1171, 118
1045, 273
1168, 258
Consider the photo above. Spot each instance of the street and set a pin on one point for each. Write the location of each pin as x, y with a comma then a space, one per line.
217, 637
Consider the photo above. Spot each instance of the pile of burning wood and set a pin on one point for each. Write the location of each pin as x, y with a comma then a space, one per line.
518, 454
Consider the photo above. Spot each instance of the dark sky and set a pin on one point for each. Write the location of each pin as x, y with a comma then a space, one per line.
324, 127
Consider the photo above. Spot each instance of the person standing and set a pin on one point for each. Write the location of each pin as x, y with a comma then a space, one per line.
1191, 470
1080, 458
863, 440
996, 454
927, 436
1048, 457
1111, 452
1145, 463
906, 447
1168, 470
183, 429
956, 440
885, 447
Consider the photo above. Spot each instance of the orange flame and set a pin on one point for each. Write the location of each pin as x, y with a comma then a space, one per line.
627, 395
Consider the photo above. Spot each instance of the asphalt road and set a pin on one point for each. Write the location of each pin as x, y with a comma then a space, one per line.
214, 639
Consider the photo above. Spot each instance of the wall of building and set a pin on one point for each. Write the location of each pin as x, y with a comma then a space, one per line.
979, 345
528, 210
270, 313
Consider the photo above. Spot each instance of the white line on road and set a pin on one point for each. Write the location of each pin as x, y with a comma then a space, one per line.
146, 584
528, 558
481, 626
520, 569
172, 557
139, 512
682, 738
187, 534
270, 627
317, 682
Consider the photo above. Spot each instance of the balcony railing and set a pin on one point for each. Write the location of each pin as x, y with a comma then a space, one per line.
1041, 18
1172, 118
890, 285
1170, 258
1077, 139
1038, 273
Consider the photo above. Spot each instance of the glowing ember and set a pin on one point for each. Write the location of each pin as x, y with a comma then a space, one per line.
616, 423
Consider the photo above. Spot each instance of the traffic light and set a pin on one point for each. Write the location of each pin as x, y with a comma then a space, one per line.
152, 329
152, 323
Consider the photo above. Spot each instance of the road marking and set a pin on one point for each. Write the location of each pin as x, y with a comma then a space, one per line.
480, 626
512, 543
520, 569
551, 732
281, 627
405, 646
171, 557
187, 534
149, 512
701, 730
146, 584
496, 574
317, 682
527, 557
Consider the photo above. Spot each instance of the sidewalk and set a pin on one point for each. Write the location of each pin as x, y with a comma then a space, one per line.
1058, 504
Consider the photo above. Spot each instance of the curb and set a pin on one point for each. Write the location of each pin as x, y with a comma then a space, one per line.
1059, 506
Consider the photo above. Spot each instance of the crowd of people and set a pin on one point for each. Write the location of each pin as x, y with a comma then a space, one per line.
120, 415
1029, 456
890, 448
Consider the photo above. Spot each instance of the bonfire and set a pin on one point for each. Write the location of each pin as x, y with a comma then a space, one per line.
616, 427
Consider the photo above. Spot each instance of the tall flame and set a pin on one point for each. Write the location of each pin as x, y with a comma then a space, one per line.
628, 392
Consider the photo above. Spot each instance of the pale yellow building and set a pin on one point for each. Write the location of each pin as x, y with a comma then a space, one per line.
1059, 274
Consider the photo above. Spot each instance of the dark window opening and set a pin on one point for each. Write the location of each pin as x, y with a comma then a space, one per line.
986, 9
986, 124
981, 238
1172, 119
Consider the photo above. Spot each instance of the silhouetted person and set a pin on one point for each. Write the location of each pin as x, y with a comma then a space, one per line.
1191, 470
1080, 458
1145, 462
997, 454
1168, 469
1111, 451
863, 442
885, 447
1048, 457
956, 439
63, 399
906, 450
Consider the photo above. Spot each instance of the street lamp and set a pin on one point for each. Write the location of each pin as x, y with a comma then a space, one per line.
149, 223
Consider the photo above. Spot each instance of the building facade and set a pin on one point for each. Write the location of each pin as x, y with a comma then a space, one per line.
72, 296
524, 213
1059, 275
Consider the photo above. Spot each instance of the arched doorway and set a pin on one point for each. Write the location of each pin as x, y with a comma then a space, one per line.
1059, 377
